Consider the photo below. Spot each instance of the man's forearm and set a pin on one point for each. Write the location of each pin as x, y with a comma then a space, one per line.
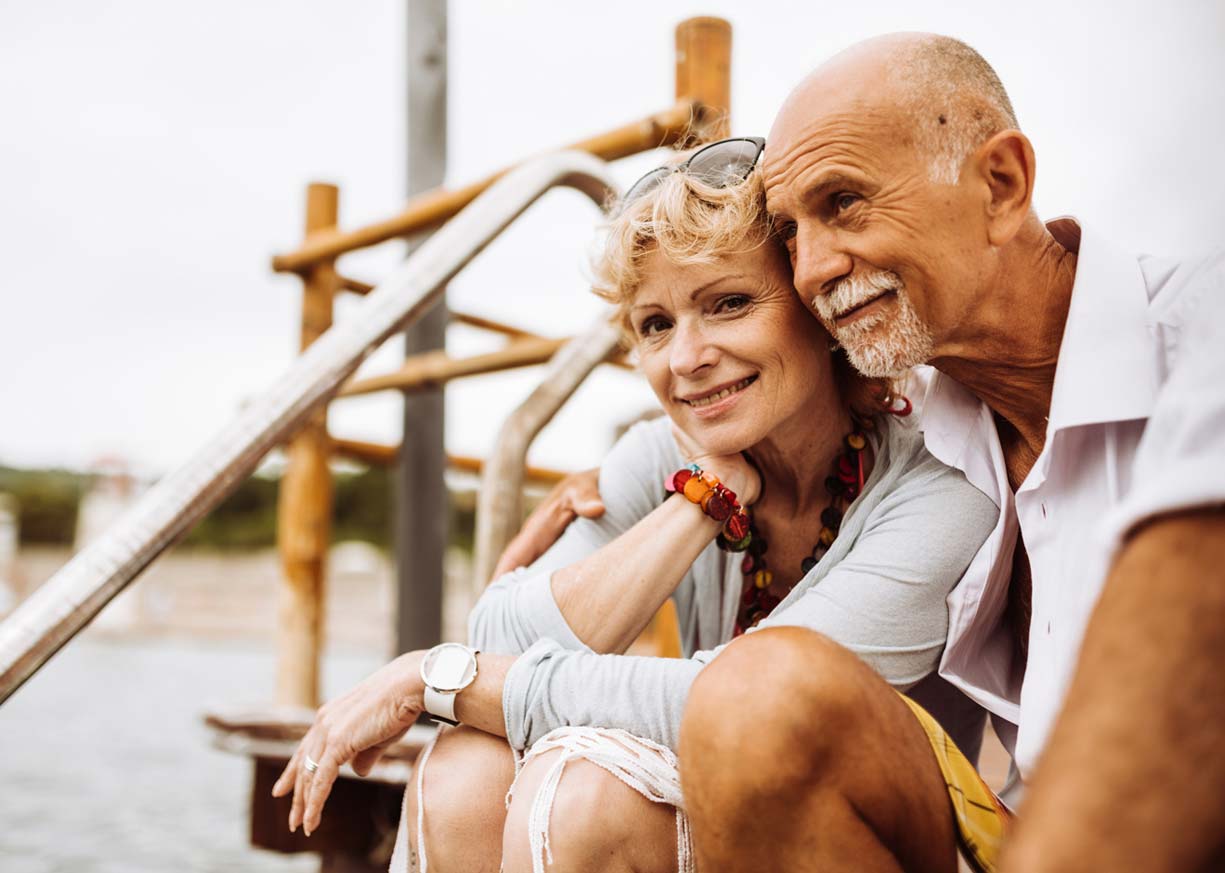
1133, 777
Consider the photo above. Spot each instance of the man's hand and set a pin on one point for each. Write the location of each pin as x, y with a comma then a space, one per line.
355, 728
576, 495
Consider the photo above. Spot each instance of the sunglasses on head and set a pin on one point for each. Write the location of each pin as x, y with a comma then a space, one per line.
721, 164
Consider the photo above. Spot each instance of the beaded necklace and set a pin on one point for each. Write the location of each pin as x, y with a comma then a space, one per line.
761, 594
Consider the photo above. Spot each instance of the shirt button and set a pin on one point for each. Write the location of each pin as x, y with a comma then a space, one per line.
1048, 628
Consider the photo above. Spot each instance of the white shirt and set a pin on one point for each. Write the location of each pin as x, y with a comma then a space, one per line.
1136, 428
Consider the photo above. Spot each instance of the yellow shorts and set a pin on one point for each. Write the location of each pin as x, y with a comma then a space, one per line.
981, 818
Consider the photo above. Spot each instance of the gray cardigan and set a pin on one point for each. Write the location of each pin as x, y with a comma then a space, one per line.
880, 591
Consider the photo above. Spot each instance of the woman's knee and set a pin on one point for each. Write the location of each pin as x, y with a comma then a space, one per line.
597, 823
463, 785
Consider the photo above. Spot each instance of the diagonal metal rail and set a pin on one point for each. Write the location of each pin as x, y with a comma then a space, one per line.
67, 602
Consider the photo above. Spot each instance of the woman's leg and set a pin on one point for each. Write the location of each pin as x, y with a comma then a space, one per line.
465, 782
598, 824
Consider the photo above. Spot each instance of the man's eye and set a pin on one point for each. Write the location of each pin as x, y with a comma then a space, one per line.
653, 325
845, 201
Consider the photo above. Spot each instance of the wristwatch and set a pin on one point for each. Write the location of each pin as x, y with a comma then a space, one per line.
446, 670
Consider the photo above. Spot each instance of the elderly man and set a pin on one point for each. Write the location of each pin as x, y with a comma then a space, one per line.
1092, 381
1081, 388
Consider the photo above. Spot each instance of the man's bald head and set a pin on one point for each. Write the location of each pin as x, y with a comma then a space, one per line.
899, 181
943, 93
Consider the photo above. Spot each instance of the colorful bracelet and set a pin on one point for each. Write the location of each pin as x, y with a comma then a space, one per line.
717, 501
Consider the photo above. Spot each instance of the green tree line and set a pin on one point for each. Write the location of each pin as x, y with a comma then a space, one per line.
47, 503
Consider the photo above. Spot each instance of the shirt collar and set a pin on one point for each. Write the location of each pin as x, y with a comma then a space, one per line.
1107, 368
958, 431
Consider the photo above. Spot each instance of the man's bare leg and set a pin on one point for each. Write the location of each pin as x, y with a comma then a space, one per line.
796, 756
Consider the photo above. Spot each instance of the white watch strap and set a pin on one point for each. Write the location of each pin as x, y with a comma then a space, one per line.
446, 670
441, 704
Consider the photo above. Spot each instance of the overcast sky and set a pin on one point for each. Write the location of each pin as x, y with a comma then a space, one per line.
153, 156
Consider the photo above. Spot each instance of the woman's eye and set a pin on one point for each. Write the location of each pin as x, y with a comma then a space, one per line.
786, 231
845, 201
653, 325
731, 303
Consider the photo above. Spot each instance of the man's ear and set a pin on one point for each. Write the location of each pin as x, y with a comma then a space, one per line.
1006, 165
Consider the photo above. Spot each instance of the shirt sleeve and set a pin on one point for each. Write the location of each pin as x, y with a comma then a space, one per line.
518, 608
1180, 462
887, 599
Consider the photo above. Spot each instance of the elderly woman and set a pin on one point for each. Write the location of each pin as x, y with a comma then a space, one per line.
777, 491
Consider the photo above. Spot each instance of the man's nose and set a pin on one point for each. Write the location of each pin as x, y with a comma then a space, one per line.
691, 349
817, 261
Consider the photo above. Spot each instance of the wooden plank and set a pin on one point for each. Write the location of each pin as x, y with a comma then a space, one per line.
304, 510
360, 815
430, 209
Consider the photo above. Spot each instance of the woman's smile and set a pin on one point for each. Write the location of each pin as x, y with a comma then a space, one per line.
714, 402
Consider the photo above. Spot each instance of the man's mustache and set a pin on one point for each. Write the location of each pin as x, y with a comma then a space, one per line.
853, 291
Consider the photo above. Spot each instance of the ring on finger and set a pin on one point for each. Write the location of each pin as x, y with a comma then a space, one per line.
311, 765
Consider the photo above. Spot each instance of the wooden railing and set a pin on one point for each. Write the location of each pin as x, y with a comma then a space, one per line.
700, 112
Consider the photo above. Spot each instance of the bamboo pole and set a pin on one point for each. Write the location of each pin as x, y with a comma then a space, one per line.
431, 369
433, 208
345, 283
490, 325
381, 455
704, 74
534, 475
304, 506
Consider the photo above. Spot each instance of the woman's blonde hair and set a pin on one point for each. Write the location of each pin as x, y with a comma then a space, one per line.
692, 222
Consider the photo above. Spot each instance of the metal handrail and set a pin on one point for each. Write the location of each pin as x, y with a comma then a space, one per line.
500, 499
66, 603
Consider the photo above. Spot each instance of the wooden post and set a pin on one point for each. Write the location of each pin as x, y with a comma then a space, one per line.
704, 74
421, 491
304, 510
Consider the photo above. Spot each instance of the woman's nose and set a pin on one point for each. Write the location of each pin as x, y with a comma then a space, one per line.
691, 349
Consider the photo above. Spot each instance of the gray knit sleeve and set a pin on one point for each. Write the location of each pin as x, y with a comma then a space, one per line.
884, 600
887, 599
518, 609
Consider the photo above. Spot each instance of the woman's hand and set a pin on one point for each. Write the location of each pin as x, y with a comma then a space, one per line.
355, 728
734, 471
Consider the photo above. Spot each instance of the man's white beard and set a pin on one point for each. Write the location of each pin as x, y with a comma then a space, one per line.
878, 345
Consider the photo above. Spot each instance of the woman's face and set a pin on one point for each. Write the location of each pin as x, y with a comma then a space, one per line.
729, 349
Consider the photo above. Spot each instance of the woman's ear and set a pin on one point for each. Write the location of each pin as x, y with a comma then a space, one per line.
1005, 165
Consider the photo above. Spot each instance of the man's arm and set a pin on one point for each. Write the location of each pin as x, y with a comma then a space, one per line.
1133, 777
576, 495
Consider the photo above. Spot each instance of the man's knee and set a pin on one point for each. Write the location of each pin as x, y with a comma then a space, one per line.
780, 703
464, 786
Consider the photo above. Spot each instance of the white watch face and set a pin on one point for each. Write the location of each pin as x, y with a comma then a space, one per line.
449, 667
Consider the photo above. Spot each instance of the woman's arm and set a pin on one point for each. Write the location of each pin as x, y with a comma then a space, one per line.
601, 584
609, 597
